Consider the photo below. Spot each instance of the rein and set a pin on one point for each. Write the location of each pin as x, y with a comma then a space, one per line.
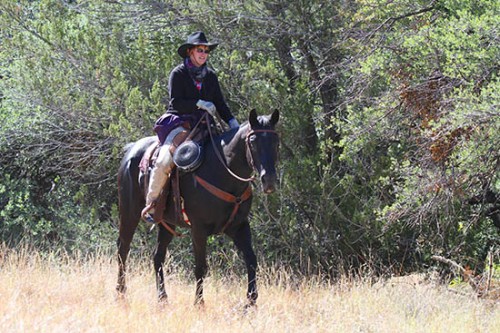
251, 162
221, 160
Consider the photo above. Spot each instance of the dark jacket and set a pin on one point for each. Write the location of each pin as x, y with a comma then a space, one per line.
183, 97
184, 94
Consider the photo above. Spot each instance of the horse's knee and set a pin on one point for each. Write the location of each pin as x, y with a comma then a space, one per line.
158, 266
123, 242
123, 254
252, 260
164, 239
159, 258
200, 271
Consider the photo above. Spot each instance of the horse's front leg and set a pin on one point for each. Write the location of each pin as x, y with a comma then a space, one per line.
164, 238
200, 253
243, 240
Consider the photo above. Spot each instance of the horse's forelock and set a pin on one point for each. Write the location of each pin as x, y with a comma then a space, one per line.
264, 121
267, 121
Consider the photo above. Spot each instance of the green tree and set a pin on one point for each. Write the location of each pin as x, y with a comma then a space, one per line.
74, 92
428, 109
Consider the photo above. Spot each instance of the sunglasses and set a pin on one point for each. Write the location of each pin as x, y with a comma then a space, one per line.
200, 50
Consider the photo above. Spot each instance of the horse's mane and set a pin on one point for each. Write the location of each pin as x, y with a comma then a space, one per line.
228, 135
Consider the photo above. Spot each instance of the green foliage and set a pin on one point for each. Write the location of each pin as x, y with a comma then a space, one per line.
31, 214
430, 128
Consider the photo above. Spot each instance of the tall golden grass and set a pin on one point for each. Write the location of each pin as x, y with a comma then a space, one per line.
55, 293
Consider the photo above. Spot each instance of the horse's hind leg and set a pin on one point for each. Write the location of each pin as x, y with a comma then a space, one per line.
122, 258
123, 250
164, 238
243, 240
126, 233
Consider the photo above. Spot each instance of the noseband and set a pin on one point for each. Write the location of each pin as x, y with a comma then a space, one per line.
248, 153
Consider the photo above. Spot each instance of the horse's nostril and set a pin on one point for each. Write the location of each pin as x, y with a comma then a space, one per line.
269, 190
268, 185
268, 179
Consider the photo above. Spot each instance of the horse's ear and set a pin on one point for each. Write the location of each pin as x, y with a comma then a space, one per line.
252, 118
275, 117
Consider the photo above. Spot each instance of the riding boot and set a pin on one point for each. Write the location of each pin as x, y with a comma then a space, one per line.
157, 180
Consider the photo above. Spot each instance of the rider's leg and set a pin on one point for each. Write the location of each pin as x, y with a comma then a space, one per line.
157, 180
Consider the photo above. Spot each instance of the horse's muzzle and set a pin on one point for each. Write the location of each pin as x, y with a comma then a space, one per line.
268, 181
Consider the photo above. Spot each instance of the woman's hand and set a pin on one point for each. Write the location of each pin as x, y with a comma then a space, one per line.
233, 123
207, 106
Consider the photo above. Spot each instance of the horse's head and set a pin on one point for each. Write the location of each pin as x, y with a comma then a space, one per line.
263, 143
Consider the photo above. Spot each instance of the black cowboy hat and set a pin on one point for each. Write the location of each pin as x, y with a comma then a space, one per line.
196, 38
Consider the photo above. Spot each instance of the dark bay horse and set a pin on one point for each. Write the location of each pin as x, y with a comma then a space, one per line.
229, 161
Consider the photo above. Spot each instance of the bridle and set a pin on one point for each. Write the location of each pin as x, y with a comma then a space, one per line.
249, 148
236, 201
247, 153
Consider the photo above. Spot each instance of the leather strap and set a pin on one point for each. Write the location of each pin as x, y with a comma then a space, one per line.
227, 197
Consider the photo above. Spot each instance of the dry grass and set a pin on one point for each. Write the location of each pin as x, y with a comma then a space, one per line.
55, 294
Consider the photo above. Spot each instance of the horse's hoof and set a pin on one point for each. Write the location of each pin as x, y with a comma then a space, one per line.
249, 308
163, 298
250, 305
121, 288
121, 297
200, 303
121, 291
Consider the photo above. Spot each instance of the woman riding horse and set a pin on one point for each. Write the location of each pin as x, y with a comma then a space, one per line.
217, 197
194, 89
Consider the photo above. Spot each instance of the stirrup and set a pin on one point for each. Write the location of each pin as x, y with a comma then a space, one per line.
146, 216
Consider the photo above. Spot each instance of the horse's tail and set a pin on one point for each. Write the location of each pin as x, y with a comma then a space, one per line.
131, 197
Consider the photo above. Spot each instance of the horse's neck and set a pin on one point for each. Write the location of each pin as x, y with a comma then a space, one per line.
235, 153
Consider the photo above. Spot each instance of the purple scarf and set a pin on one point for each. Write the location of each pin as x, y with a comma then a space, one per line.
196, 73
